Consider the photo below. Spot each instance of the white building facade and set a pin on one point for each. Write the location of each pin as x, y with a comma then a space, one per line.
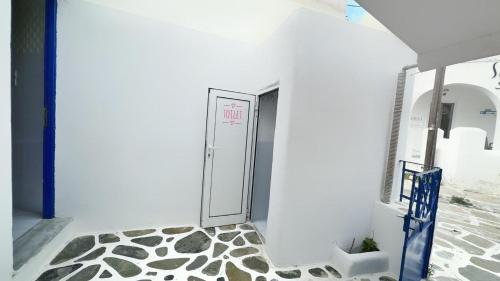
469, 120
131, 119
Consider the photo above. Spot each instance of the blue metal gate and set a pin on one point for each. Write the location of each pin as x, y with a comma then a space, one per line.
419, 223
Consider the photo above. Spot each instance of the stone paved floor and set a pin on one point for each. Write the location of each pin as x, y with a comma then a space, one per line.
232, 253
467, 239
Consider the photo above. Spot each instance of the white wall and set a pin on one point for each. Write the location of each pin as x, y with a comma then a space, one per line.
5, 146
476, 74
27, 104
468, 102
247, 21
464, 159
131, 107
473, 86
328, 175
387, 227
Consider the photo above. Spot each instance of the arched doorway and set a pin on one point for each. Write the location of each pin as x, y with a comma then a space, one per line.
464, 105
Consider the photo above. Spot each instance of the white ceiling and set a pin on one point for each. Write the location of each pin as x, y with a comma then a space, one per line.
442, 32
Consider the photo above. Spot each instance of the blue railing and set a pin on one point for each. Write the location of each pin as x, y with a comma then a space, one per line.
420, 219
419, 223
406, 171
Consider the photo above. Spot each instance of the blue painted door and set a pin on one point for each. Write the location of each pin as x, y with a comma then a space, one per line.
419, 224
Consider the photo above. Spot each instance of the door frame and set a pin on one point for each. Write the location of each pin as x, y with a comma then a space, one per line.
264, 91
251, 164
49, 131
452, 115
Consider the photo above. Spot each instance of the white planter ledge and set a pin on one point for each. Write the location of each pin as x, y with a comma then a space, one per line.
360, 263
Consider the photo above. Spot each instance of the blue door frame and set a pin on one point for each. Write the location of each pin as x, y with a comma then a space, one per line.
49, 132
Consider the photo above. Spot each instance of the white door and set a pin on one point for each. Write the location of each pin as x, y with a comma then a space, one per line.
228, 149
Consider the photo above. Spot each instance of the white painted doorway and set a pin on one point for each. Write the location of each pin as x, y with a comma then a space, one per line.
228, 154
263, 160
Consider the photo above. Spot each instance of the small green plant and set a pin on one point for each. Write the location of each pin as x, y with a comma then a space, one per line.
430, 272
460, 201
369, 245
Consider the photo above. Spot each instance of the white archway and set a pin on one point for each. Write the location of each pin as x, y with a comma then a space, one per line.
471, 105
